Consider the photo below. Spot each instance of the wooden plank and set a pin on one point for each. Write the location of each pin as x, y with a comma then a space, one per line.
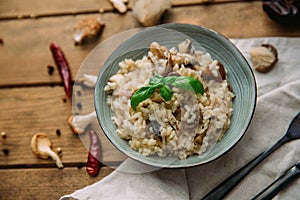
45, 183
177, 3
32, 7
26, 111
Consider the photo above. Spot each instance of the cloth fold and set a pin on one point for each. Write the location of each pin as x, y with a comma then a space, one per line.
157, 184
277, 104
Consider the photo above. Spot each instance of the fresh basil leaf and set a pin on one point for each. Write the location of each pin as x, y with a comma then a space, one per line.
188, 83
170, 79
140, 95
183, 82
166, 93
156, 80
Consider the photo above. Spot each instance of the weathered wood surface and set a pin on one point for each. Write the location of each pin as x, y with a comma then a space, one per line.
44, 183
32, 49
234, 20
32, 101
25, 53
12, 9
26, 111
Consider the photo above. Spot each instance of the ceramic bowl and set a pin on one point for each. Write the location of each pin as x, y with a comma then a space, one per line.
239, 73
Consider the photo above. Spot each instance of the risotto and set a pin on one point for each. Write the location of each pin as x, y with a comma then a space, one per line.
188, 122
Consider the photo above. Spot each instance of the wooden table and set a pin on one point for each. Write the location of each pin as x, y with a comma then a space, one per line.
32, 101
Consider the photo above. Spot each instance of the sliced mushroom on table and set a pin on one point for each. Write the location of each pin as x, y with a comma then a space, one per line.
88, 80
87, 28
41, 146
79, 123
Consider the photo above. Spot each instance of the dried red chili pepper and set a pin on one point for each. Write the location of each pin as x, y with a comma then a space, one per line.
93, 163
63, 67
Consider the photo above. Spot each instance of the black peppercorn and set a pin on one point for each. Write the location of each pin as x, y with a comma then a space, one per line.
79, 165
58, 133
50, 69
5, 151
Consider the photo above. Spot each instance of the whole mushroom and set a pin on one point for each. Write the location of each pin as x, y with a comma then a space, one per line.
41, 147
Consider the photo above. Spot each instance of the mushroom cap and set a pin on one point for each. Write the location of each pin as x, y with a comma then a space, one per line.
264, 57
39, 143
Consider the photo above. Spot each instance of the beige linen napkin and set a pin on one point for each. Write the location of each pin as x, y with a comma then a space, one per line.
277, 104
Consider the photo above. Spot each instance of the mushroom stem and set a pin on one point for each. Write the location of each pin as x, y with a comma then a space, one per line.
56, 158
88, 80
79, 123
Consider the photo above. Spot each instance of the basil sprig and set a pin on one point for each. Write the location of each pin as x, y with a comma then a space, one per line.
162, 83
